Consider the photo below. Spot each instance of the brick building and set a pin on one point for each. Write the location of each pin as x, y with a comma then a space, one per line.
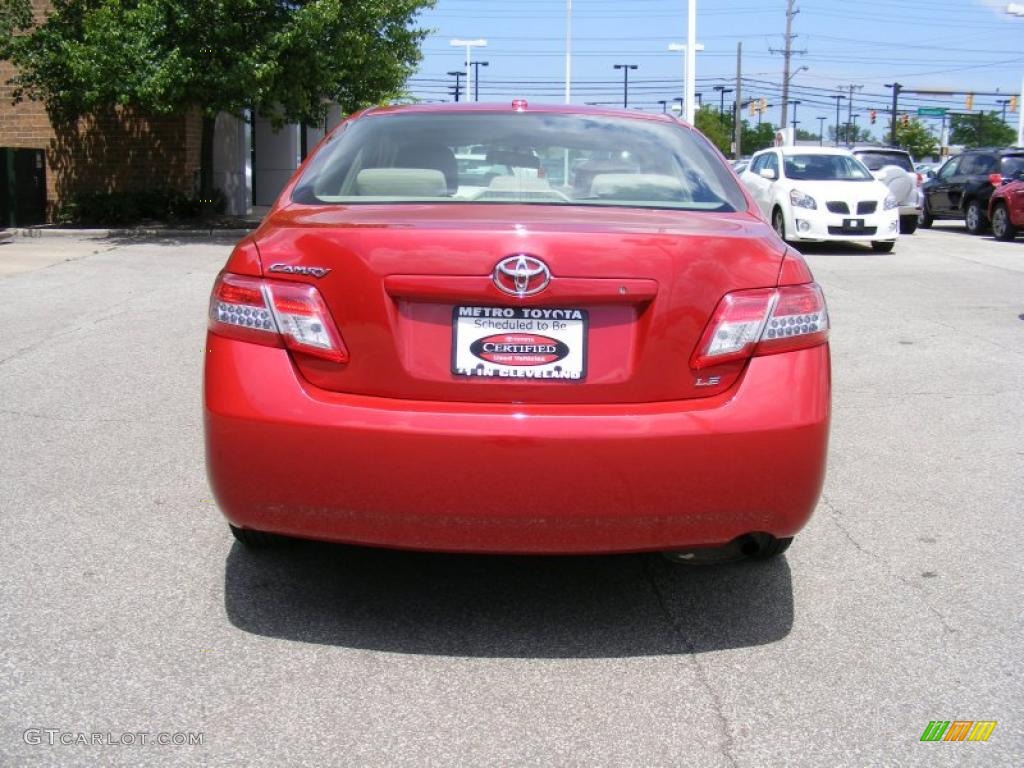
122, 151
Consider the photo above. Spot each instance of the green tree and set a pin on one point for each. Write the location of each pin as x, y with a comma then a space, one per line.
984, 129
916, 138
802, 135
285, 58
15, 16
715, 126
757, 137
850, 134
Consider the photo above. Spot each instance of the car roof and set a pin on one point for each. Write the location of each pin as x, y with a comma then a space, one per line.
855, 150
791, 150
509, 106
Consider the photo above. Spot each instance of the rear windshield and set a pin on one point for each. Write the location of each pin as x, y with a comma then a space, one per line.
825, 168
490, 157
1011, 165
875, 161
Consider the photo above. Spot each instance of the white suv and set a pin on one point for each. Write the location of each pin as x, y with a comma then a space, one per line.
895, 168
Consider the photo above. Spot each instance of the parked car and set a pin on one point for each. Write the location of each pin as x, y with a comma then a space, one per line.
963, 186
895, 169
628, 362
822, 193
1006, 208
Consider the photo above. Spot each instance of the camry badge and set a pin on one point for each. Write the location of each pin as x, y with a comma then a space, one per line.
521, 275
288, 269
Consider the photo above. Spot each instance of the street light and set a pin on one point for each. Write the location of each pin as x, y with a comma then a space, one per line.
469, 45
821, 130
458, 82
681, 47
476, 77
664, 105
722, 90
785, 94
795, 121
625, 82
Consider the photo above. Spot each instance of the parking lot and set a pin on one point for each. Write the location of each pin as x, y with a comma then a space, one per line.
127, 607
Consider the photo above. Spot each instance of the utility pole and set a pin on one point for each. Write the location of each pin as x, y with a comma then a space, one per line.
625, 82
787, 54
896, 88
476, 76
838, 97
458, 83
849, 112
1003, 103
737, 122
821, 130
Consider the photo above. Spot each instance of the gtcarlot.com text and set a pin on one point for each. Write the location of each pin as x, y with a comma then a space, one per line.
53, 737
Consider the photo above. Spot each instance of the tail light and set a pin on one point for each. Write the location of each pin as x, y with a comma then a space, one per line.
995, 179
763, 321
920, 179
275, 313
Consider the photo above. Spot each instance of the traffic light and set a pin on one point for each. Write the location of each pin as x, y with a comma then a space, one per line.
905, 119
969, 101
1013, 103
764, 106
755, 105
874, 116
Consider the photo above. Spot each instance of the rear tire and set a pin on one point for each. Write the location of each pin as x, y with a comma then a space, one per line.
779, 223
1002, 227
925, 220
883, 246
974, 218
908, 225
773, 548
259, 539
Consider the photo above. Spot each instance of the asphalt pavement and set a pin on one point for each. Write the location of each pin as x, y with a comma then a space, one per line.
129, 615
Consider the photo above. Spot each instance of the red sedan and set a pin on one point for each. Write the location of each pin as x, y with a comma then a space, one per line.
1006, 208
483, 328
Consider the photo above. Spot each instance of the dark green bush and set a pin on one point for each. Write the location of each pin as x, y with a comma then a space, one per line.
134, 206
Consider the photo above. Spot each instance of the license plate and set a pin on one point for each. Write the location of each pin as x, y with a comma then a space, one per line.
520, 343
853, 223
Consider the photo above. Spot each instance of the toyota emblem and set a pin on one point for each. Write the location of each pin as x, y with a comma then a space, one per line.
521, 275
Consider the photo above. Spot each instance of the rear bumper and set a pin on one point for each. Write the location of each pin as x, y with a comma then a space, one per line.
287, 458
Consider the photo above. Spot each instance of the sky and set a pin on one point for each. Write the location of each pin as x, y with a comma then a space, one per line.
971, 45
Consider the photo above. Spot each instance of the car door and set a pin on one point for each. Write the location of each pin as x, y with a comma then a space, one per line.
771, 163
974, 169
756, 184
938, 189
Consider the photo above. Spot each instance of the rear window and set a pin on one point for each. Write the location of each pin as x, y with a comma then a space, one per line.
875, 161
489, 157
825, 168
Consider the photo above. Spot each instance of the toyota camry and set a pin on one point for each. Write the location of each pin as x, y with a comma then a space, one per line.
588, 340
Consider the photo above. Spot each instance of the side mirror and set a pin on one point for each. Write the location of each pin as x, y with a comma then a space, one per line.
768, 173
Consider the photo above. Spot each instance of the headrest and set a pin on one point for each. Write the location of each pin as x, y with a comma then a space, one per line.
637, 186
401, 182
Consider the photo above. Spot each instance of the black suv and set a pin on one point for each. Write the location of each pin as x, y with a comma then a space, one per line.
962, 187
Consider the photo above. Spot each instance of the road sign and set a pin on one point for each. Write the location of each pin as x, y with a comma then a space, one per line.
931, 111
